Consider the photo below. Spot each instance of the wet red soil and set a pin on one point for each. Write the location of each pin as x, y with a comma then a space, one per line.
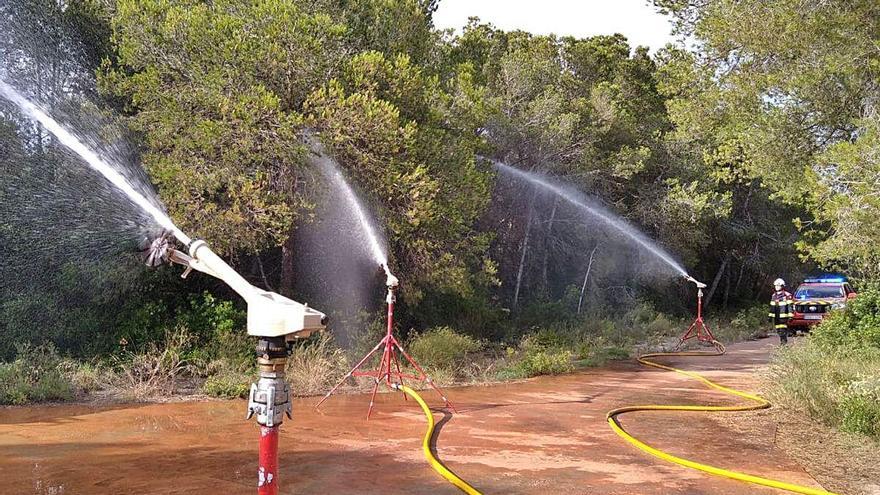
546, 435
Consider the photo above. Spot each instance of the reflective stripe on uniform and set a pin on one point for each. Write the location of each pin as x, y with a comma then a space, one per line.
782, 326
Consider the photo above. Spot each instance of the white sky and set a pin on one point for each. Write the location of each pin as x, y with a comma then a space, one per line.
635, 19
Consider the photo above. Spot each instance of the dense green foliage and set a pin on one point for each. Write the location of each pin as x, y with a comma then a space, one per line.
784, 93
857, 327
439, 347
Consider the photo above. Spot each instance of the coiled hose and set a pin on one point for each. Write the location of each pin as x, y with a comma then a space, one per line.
759, 403
426, 444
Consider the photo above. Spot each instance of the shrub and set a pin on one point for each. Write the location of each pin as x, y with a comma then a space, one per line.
228, 383
208, 316
34, 376
538, 362
860, 407
315, 365
84, 377
154, 371
442, 348
661, 325
596, 353
855, 327
752, 319
838, 387
538, 354
640, 314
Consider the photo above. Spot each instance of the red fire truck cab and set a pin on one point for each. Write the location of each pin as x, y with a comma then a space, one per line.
818, 297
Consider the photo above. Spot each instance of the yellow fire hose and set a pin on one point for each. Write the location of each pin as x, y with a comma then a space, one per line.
760, 403
426, 445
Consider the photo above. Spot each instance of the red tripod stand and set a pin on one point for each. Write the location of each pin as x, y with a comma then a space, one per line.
698, 329
390, 348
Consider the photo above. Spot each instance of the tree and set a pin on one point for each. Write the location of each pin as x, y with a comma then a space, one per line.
774, 93
398, 130
216, 90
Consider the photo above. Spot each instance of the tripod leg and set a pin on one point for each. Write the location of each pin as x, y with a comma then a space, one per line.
427, 378
373, 397
687, 335
399, 373
384, 373
349, 374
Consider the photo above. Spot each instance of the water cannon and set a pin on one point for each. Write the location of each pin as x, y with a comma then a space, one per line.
392, 354
274, 320
269, 314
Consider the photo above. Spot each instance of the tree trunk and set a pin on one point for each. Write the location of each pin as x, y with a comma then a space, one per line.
285, 285
717, 279
263, 274
739, 279
547, 242
586, 277
525, 250
727, 286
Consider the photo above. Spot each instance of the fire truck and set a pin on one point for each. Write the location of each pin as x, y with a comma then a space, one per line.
816, 298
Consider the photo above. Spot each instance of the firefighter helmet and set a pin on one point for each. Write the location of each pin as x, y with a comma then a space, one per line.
779, 282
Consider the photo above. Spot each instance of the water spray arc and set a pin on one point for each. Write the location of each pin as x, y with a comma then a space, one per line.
389, 370
67, 138
578, 200
272, 318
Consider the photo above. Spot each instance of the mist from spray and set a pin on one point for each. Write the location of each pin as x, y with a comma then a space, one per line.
66, 138
368, 235
577, 199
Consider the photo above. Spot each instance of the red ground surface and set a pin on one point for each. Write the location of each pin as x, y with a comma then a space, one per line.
546, 435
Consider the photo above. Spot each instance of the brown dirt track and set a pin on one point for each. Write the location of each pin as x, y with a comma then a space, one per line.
546, 435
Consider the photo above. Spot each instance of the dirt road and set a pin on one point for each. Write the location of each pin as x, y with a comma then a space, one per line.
546, 435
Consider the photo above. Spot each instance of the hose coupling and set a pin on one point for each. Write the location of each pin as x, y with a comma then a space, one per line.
269, 401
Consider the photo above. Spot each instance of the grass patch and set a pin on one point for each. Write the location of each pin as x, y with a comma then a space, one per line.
155, 371
315, 365
35, 376
443, 349
840, 388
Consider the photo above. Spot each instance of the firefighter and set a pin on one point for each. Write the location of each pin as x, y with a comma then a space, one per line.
781, 309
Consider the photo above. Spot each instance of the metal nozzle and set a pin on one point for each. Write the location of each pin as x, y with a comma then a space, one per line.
390, 280
700, 285
157, 251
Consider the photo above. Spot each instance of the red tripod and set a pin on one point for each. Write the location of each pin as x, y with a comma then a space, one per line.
698, 329
391, 347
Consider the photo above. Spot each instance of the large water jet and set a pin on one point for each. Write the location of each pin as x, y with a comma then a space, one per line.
607, 218
69, 140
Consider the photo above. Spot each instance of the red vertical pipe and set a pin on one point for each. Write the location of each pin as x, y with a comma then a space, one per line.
389, 348
700, 304
268, 472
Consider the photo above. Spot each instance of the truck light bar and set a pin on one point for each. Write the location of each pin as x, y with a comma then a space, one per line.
825, 280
